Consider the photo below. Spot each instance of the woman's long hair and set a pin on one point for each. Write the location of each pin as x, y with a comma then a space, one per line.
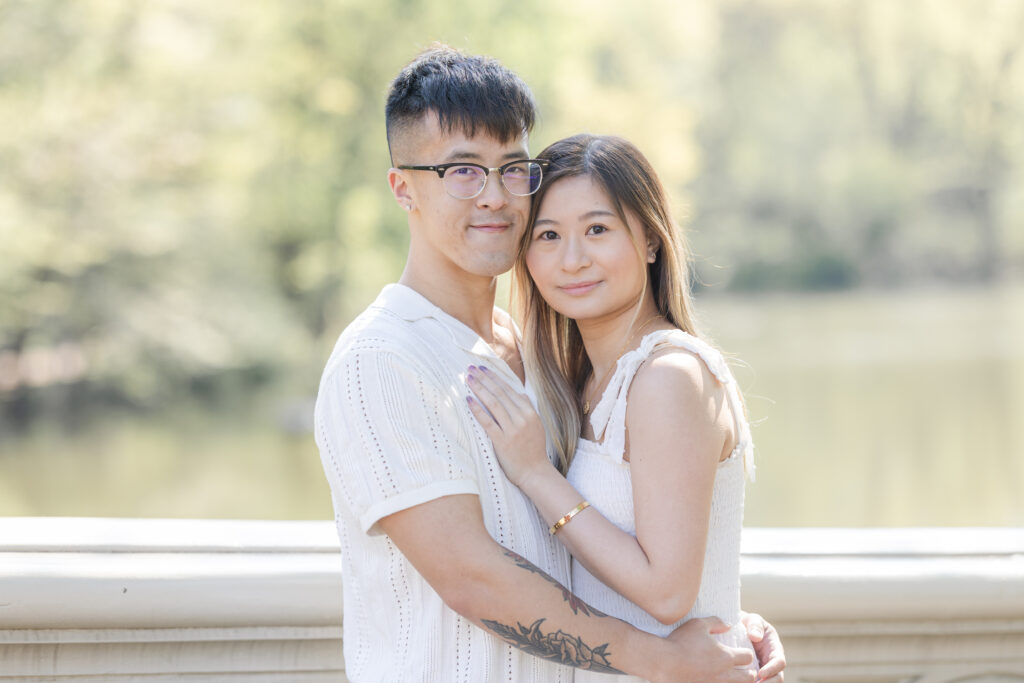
553, 348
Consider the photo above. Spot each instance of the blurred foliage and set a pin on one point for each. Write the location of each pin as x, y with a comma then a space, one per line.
192, 194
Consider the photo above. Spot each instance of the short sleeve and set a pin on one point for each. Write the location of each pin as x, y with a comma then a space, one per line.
390, 436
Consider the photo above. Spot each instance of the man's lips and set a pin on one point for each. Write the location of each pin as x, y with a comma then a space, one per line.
490, 227
579, 288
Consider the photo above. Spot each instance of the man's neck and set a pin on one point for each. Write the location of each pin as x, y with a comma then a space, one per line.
468, 299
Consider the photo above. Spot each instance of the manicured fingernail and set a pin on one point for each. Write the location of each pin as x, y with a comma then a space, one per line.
484, 368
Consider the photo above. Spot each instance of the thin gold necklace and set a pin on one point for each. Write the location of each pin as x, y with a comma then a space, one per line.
604, 377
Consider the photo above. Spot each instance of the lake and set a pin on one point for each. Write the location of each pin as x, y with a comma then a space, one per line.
875, 409
881, 408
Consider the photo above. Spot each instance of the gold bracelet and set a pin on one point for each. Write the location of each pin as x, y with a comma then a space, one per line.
565, 520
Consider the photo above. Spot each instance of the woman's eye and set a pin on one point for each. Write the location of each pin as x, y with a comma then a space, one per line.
596, 229
548, 235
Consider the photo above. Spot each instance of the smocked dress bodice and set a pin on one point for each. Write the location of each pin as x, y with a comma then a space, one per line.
602, 476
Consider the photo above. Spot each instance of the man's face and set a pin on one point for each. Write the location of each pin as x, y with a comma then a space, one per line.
474, 237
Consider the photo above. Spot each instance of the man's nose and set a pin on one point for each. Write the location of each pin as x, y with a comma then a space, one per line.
493, 195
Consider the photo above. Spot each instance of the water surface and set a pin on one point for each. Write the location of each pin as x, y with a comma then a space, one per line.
869, 409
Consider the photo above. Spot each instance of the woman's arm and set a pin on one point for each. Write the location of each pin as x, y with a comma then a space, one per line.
679, 426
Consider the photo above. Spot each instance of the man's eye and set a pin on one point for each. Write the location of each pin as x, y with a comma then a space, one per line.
463, 170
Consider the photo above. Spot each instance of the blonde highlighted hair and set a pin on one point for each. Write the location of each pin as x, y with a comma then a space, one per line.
553, 348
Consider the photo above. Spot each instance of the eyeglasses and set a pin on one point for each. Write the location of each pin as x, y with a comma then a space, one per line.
464, 180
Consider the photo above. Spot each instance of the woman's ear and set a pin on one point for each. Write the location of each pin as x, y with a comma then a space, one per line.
653, 244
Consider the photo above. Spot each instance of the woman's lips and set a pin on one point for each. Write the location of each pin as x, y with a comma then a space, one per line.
580, 288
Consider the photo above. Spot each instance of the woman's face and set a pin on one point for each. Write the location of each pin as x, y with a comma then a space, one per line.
581, 256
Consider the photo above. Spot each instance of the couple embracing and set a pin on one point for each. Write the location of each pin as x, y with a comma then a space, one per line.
468, 459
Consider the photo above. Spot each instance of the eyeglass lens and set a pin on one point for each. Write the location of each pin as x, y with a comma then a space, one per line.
465, 182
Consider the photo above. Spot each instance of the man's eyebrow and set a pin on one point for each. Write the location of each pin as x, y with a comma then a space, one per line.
466, 155
462, 155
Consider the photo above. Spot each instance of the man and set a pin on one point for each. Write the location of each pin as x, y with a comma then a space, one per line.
449, 573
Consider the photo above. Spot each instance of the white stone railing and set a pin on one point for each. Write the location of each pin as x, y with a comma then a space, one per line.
892, 605
137, 599
89, 600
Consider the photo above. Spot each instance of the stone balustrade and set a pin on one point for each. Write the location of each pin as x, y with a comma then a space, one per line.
87, 600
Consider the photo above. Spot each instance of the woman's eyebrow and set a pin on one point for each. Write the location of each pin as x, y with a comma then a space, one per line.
583, 217
596, 212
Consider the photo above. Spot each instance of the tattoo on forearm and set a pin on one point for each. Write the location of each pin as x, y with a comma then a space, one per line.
557, 647
575, 604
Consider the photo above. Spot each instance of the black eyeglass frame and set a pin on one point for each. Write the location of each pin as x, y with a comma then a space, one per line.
440, 169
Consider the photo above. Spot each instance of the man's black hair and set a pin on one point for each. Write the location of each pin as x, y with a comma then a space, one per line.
468, 93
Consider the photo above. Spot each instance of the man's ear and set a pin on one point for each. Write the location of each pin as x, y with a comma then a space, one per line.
400, 188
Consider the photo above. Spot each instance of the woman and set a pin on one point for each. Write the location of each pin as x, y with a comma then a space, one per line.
644, 417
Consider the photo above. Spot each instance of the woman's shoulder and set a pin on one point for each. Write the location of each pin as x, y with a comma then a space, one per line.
672, 370
679, 368
688, 377
686, 349
675, 399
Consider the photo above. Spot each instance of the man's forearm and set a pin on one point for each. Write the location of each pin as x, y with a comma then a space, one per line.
538, 615
550, 642
557, 646
511, 598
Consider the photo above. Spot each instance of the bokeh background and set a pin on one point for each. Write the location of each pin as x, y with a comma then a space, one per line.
193, 205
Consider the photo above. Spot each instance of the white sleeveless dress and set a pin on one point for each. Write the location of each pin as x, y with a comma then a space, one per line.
602, 477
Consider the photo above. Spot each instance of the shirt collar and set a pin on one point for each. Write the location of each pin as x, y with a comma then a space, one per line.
411, 305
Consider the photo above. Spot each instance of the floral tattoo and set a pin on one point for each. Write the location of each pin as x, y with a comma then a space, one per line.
575, 604
558, 646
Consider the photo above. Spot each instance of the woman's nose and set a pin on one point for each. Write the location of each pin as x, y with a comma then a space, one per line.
575, 255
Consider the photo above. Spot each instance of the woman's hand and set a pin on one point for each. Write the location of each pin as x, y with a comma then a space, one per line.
511, 422
768, 647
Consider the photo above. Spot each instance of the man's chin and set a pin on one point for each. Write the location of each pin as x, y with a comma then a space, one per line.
493, 267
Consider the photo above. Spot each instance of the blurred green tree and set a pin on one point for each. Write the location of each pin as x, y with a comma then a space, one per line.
192, 195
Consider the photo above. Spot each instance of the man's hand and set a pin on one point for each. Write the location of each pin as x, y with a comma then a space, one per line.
768, 647
704, 659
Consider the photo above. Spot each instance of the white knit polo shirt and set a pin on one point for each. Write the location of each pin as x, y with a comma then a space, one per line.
394, 431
